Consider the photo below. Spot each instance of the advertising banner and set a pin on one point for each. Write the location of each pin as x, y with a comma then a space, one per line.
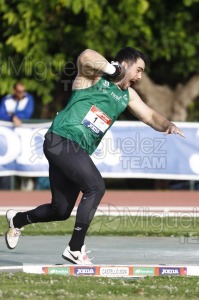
128, 150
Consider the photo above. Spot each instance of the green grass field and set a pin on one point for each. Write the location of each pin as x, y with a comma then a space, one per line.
28, 286
118, 226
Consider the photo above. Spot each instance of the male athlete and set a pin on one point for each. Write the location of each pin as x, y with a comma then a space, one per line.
100, 92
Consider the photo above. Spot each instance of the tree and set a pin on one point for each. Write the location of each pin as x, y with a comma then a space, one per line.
172, 103
39, 37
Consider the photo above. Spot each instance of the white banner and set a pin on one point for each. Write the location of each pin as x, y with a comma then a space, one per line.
128, 150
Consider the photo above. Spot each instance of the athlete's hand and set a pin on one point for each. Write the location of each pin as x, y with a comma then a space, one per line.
119, 73
173, 129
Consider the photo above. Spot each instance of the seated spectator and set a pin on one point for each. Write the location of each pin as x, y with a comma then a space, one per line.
14, 108
18, 106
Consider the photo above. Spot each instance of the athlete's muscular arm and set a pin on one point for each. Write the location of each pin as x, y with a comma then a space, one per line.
91, 65
150, 117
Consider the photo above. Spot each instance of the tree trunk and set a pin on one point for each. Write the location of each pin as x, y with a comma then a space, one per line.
168, 102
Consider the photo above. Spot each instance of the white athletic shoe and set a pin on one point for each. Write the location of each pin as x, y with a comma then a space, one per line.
77, 257
12, 235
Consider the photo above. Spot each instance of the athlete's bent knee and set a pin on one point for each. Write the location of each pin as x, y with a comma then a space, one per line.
60, 213
101, 189
101, 186
63, 215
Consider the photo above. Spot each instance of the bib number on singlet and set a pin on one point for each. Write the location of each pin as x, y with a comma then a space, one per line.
97, 121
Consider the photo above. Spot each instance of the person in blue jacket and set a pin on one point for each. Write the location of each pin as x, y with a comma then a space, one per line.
18, 106
15, 108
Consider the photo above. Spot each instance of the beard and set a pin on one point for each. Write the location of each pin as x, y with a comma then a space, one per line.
124, 84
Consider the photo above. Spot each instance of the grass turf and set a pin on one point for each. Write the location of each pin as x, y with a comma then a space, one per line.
118, 226
28, 286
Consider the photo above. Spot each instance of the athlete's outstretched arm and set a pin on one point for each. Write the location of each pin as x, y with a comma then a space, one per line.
150, 117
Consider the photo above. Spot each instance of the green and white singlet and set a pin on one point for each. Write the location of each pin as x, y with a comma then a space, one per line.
90, 113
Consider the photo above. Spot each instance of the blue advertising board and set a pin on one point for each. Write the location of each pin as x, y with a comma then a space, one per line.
128, 150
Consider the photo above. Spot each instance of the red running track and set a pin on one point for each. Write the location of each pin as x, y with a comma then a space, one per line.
112, 197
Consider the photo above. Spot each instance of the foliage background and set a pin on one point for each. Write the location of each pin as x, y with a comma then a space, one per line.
40, 41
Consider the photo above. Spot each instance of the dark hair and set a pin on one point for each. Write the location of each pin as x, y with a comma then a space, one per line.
130, 54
